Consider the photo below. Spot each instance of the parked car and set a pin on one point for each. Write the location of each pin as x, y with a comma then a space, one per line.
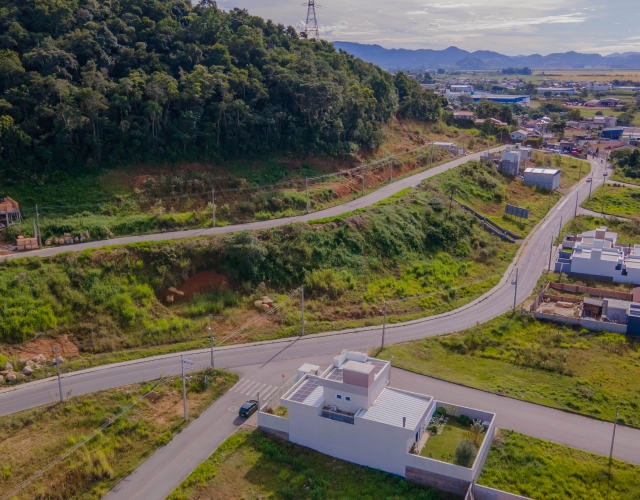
248, 409
588, 179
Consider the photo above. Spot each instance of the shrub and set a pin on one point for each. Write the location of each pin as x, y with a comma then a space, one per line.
441, 411
329, 282
465, 453
433, 429
464, 420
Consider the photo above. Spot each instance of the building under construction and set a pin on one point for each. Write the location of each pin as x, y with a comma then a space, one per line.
9, 212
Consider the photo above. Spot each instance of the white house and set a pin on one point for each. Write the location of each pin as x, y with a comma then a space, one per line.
350, 412
595, 253
546, 178
519, 135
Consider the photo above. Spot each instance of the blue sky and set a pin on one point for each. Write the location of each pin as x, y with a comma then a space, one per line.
507, 26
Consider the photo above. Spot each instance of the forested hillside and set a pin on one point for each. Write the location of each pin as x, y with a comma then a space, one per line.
88, 83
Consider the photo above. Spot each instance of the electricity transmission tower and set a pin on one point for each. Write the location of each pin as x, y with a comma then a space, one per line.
311, 26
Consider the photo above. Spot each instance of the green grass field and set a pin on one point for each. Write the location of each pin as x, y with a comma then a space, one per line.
577, 370
441, 446
254, 465
542, 470
31, 439
615, 200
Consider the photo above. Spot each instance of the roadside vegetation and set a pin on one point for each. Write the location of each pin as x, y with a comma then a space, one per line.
31, 439
517, 356
140, 200
617, 200
627, 165
542, 470
251, 464
486, 190
119, 298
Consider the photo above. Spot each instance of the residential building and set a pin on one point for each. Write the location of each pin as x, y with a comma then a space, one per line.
350, 412
522, 135
609, 102
510, 163
545, 178
557, 90
462, 89
9, 212
614, 134
463, 115
596, 254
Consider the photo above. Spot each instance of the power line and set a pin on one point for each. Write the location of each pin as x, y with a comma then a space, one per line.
311, 26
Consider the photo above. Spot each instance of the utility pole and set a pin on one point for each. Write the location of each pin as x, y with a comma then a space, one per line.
604, 190
550, 253
432, 146
384, 322
213, 206
560, 228
515, 294
364, 171
184, 388
306, 188
211, 337
302, 308
590, 186
391, 171
575, 213
38, 227
311, 26
613, 438
55, 355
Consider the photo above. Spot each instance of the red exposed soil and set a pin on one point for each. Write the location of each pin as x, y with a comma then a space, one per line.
45, 346
202, 282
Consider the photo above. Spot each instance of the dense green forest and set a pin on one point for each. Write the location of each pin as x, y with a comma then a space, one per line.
94, 83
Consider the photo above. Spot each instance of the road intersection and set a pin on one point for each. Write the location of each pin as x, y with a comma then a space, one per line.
263, 363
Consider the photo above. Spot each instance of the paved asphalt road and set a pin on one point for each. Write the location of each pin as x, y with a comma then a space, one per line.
263, 362
363, 202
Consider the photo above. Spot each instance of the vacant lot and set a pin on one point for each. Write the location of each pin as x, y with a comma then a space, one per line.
578, 370
128, 298
251, 464
32, 439
548, 471
616, 200
487, 191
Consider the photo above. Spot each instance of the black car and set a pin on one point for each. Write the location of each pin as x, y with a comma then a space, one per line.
248, 409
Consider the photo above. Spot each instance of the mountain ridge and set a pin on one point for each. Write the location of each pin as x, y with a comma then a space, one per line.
454, 57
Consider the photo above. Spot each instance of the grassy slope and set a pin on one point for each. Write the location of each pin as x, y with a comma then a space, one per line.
125, 202
487, 191
255, 465
113, 299
31, 439
618, 200
577, 370
548, 471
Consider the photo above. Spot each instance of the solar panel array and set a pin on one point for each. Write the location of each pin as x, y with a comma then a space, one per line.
304, 390
335, 375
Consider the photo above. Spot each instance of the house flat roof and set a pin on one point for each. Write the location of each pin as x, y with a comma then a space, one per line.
618, 304
392, 405
357, 366
546, 171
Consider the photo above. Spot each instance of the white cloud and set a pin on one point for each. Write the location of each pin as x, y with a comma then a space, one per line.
451, 5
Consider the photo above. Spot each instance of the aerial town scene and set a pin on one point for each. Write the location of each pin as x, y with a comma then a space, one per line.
319, 249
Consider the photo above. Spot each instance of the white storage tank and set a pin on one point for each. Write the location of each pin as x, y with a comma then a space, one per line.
546, 178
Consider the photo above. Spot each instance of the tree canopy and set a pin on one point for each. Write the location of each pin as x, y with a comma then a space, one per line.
105, 82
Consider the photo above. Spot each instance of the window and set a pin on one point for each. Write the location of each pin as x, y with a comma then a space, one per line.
347, 398
338, 396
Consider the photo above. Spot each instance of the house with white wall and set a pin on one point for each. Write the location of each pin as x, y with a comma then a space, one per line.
350, 412
596, 254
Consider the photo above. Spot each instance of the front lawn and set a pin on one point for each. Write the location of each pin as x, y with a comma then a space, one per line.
442, 445
579, 370
616, 200
32, 439
254, 465
548, 471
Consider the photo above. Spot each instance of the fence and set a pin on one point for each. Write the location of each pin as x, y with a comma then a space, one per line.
491, 226
598, 292
478, 492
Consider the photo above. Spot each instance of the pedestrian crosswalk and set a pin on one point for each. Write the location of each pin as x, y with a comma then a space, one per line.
251, 388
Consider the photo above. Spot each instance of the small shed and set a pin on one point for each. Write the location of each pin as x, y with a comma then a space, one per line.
592, 308
546, 178
633, 321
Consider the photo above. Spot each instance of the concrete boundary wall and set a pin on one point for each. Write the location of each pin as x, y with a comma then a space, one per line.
479, 492
267, 420
589, 324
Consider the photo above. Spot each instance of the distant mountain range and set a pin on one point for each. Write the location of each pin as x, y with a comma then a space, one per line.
455, 58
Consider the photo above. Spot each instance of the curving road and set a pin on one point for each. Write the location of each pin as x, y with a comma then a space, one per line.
264, 362
362, 202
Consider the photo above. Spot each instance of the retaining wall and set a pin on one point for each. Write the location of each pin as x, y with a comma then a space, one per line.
589, 324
